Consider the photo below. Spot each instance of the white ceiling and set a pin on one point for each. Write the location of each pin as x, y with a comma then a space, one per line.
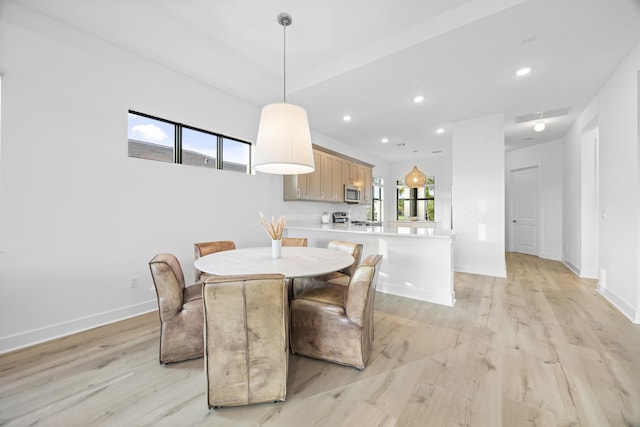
369, 58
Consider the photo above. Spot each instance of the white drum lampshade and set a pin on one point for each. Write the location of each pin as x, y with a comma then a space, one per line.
283, 145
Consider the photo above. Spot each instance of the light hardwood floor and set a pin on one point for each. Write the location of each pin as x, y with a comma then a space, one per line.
540, 348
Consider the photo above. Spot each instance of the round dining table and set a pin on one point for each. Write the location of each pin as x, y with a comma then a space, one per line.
294, 261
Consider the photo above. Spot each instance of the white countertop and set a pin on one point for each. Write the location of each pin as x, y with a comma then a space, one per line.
384, 229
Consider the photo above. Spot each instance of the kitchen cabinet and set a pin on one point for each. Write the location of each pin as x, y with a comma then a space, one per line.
337, 182
305, 186
367, 186
326, 183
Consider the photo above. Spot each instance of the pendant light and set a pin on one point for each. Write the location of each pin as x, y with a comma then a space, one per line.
415, 178
283, 145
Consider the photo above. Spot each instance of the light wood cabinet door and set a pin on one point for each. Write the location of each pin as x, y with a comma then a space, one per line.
367, 186
295, 187
353, 174
346, 173
327, 174
305, 186
337, 182
314, 179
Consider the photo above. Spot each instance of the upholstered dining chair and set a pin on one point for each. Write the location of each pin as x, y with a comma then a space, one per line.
246, 339
335, 322
180, 309
341, 277
294, 241
206, 248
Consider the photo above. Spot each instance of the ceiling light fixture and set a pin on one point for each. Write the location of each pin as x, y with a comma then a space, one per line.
440, 130
415, 178
523, 71
385, 140
346, 118
418, 99
539, 127
283, 145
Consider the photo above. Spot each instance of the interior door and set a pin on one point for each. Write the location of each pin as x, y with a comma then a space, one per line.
524, 202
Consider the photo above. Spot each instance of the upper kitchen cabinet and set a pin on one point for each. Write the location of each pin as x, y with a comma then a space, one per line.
307, 186
367, 186
326, 184
332, 187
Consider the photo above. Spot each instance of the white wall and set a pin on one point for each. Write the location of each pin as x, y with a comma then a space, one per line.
440, 168
548, 157
478, 195
615, 109
78, 217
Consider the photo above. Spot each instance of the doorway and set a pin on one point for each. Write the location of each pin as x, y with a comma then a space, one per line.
524, 211
589, 263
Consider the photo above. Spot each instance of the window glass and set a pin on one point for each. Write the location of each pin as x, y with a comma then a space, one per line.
374, 210
155, 138
235, 155
416, 202
199, 148
151, 139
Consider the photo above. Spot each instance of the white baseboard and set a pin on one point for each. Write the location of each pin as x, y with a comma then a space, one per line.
585, 274
589, 274
552, 257
442, 298
629, 312
474, 269
36, 336
571, 267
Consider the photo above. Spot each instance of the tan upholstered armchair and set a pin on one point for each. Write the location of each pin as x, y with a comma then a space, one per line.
335, 322
294, 241
341, 277
246, 339
180, 309
206, 248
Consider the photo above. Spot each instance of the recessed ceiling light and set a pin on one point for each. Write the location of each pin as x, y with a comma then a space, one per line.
523, 71
385, 140
539, 127
418, 99
346, 118
440, 130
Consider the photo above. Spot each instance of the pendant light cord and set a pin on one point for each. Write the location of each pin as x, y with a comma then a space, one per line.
284, 65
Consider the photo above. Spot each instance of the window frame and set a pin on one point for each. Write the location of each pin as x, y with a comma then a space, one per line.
177, 143
430, 194
371, 210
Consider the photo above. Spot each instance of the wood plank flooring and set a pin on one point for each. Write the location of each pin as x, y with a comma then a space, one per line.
540, 348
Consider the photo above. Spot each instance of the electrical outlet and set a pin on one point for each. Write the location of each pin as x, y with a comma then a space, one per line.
133, 282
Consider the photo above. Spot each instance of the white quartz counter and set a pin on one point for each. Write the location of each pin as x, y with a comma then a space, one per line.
387, 229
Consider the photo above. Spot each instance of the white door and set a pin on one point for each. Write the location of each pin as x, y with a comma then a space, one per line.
524, 210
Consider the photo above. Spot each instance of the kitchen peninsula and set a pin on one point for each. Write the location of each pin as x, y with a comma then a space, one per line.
417, 261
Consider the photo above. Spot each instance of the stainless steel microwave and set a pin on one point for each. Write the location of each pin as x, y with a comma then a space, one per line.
351, 194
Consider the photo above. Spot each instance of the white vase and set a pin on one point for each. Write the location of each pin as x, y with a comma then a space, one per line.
276, 248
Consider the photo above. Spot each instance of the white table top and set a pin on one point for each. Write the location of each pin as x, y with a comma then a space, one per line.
294, 262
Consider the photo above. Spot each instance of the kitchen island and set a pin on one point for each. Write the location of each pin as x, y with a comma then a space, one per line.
417, 261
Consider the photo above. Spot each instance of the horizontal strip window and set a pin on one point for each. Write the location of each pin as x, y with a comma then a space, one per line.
154, 138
